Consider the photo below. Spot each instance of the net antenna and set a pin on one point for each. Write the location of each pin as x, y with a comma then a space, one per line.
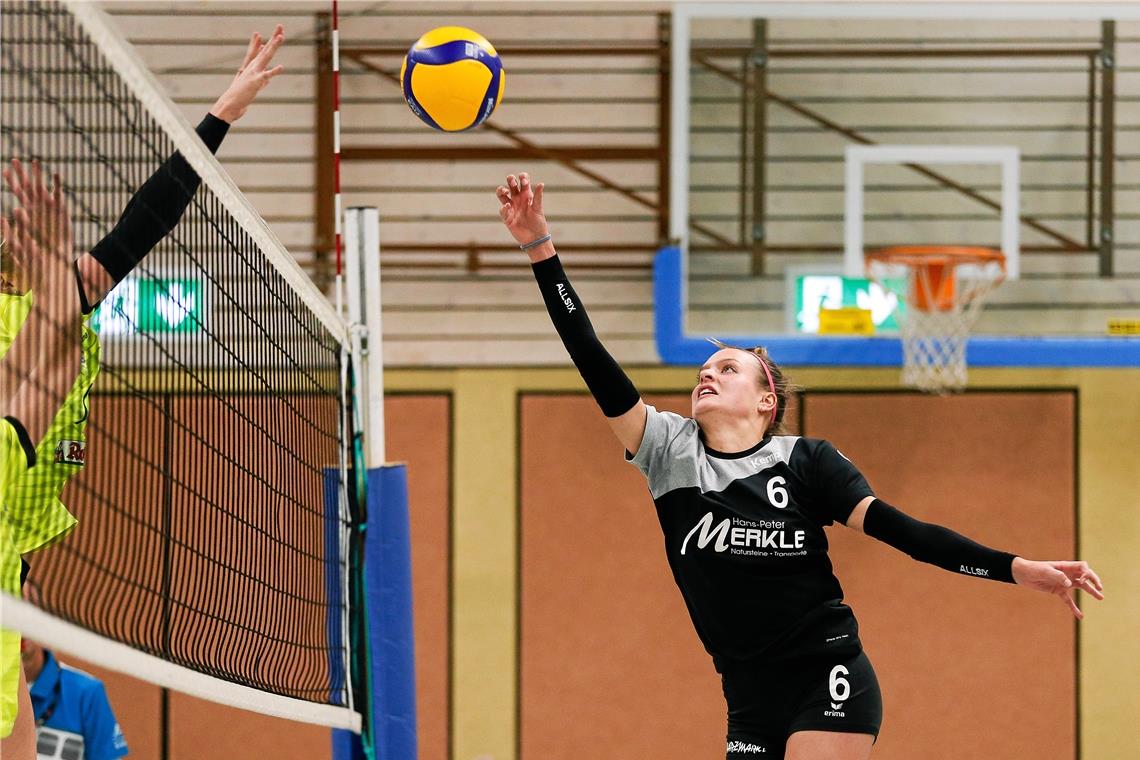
947, 285
362, 282
140, 586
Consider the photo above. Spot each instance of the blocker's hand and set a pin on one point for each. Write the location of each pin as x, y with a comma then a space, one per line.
520, 208
1059, 579
38, 236
252, 76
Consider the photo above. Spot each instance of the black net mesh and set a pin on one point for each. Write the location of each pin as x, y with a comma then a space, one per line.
210, 505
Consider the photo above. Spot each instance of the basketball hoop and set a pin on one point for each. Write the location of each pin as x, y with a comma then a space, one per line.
946, 286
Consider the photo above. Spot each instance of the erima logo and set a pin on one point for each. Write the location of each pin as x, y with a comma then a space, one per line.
978, 571
566, 298
725, 535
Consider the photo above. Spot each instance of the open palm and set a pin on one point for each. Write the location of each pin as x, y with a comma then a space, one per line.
252, 76
520, 208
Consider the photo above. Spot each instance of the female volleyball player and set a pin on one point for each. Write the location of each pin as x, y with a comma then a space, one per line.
743, 510
35, 374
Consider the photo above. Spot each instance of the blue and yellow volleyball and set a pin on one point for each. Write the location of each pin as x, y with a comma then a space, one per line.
452, 79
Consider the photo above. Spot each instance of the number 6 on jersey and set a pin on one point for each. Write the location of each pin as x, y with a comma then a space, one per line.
777, 494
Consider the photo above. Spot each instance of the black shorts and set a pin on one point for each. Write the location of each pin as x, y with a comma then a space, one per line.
768, 703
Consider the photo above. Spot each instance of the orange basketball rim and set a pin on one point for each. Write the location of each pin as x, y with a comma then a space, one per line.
933, 280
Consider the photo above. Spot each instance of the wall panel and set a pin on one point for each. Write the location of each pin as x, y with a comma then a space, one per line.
610, 666
978, 669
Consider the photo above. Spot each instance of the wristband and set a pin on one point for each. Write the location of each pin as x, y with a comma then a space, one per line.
535, 243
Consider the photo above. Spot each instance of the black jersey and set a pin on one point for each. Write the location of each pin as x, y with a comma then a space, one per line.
745, 540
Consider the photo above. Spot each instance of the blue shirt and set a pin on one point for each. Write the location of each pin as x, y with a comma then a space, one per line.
73, 716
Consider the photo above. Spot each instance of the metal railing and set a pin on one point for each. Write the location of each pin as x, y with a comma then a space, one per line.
751, 68
761, 72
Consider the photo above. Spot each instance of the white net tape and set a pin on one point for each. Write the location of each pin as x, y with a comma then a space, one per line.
934, 339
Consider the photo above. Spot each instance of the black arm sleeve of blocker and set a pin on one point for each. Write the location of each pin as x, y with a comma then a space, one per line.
156, 208
935, 544
611, 388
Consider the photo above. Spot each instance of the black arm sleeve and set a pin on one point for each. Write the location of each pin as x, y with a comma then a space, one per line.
936, 545
156, 208
611, 388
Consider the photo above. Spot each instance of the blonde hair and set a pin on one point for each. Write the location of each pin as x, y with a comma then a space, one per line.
781, 385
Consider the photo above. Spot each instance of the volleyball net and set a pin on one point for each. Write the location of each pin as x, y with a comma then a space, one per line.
217, 504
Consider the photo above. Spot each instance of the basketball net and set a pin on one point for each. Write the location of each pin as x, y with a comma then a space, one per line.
946, 287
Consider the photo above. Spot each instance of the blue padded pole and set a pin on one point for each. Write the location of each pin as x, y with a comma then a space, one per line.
388, 592
346, 745
388, 608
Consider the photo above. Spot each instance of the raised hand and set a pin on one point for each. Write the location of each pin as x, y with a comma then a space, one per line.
47, 345
252, 76
1059, 579
520, 208
38, 237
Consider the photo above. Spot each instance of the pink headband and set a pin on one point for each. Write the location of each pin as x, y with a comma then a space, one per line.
767, 373
771, 384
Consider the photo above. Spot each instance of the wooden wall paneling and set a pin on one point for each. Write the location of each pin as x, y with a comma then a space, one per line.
968, 668
610, 666
418, 431
571, 100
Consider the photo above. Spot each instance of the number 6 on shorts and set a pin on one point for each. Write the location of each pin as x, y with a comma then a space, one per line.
839, 686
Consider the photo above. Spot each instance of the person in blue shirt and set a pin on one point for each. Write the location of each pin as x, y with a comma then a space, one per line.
74, 720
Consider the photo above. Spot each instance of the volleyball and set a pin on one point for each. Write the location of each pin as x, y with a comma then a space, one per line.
452, 79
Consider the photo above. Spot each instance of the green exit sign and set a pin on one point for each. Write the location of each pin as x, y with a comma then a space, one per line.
825, 291
148, 306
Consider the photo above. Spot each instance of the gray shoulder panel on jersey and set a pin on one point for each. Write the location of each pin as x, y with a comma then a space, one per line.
717, 474
672, 456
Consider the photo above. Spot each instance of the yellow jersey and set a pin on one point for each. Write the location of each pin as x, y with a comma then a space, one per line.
13, 465
35, 515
